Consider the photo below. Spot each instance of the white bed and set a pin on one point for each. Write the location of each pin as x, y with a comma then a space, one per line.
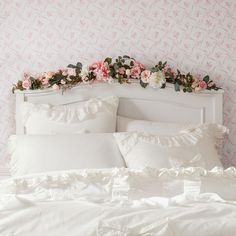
123, 201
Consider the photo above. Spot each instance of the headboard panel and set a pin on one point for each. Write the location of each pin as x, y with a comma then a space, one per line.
164, 105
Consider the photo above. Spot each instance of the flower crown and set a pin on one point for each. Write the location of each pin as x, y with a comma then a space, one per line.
123, 69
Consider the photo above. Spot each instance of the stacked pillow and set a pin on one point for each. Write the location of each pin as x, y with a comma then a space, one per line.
97, 115
83, 135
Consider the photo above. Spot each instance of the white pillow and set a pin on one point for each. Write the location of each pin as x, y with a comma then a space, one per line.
194, 148
92, 116
125, 124
42, 153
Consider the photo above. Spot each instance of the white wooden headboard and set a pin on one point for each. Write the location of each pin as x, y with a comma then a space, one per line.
164, 105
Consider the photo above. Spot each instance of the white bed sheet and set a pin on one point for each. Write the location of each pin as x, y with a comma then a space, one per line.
121, 202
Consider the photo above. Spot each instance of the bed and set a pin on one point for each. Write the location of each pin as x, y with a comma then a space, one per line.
114, 192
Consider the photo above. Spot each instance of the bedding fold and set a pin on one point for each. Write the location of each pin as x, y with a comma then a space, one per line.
120, 201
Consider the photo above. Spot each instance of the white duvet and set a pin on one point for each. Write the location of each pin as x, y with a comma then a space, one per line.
121, 202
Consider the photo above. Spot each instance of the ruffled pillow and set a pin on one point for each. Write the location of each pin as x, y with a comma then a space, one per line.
93, 116
193, 147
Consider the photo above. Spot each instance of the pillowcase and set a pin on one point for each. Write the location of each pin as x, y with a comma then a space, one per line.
42, 153
93, 116
191, 148
125, 124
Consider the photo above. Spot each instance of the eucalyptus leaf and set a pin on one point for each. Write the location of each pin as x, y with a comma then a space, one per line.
79, 65
177, 87
127, 57
108, 60
71, 66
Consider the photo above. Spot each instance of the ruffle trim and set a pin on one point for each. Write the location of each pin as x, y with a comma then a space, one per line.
68, 113
127, 140
218, 132
109, 179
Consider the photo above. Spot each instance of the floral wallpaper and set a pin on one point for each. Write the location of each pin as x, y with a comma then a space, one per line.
193, 35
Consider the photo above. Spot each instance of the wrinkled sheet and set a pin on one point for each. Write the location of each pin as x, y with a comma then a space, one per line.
112, 202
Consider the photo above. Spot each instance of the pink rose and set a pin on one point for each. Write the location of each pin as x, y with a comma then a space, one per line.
94, 66
140, 65
201, 86
71, 72
26, 83
121, 70
55, 87
45, 81
101, 70
64, 72
48, 75
135, 72
145, 76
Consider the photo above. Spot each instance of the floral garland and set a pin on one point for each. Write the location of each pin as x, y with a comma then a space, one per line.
123, 69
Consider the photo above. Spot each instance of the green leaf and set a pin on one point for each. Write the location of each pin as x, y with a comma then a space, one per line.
126, 67
79, 65
127, 57
163, 86
206, 78
116, 66
189, 90
154, 69
71, 66
131, 63
112, 72
177, 87
108, 60
144, 85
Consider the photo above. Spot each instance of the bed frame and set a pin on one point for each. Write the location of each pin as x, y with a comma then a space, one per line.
164, 105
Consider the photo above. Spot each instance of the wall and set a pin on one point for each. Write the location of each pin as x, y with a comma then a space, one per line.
192, 35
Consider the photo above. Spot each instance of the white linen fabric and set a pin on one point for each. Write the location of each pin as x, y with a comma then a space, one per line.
194, 147
41, 153
122, 202
97, 115
125, 124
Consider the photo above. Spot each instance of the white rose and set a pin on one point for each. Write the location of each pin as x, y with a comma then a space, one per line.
157, 79
84, 71
128, 72
71, 72
63, 81
110, 80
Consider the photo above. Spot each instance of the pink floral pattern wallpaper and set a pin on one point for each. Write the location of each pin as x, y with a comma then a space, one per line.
193, 35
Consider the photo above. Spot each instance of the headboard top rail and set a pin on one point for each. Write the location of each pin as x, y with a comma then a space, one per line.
163, 105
